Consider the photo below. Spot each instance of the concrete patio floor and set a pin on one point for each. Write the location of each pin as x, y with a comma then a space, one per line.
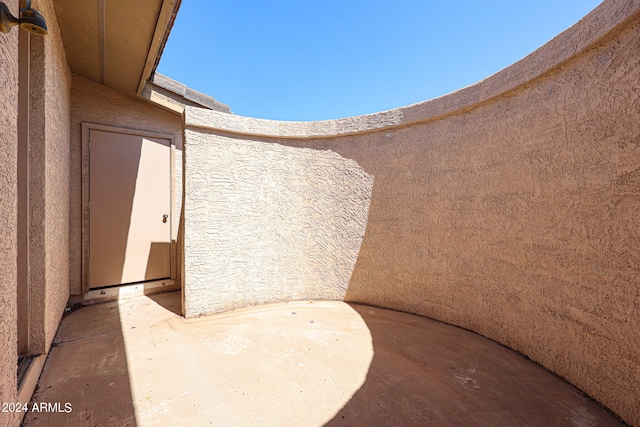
136, 362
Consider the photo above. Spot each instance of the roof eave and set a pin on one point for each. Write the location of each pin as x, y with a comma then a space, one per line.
164, 24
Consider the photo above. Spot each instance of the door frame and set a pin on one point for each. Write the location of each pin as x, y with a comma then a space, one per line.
86, 130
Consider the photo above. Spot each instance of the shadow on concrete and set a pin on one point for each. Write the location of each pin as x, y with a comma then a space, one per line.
293, 364
429, 373
168, 301
85, 380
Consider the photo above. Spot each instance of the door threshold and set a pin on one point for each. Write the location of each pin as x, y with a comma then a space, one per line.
117, 293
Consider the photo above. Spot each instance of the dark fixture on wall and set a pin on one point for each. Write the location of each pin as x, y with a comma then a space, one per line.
30, 19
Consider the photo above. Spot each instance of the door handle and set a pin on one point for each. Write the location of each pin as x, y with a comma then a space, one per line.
164, 217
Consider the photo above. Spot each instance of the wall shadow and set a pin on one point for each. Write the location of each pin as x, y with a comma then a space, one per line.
168, 301
86, 373
425, 372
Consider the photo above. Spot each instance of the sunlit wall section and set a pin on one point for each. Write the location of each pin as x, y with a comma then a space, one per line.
509, 207
268, 223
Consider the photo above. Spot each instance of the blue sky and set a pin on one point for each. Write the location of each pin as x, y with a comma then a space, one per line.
317, 60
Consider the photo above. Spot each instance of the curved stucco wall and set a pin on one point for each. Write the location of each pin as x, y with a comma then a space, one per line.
268, 223
508, 207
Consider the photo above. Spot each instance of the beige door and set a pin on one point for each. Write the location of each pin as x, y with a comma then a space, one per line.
129, 208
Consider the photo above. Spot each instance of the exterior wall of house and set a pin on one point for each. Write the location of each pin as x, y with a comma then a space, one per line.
509, 207
48, 190
48, 185
94, 103
8, 215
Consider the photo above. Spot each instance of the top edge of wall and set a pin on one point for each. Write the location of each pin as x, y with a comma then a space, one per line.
605, 19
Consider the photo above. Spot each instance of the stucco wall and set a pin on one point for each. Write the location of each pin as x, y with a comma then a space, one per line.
48, 178
52, 149
8, 216
508, 207
266, 223
48, 194
94, 103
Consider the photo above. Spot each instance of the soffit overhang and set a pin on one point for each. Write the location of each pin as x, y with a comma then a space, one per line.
116, 43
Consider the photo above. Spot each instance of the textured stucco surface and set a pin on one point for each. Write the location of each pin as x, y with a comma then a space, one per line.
266, 223
508, 208
93, 103
55, 149
48, 183
8, 216
247, 125
48, 193
37, 196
